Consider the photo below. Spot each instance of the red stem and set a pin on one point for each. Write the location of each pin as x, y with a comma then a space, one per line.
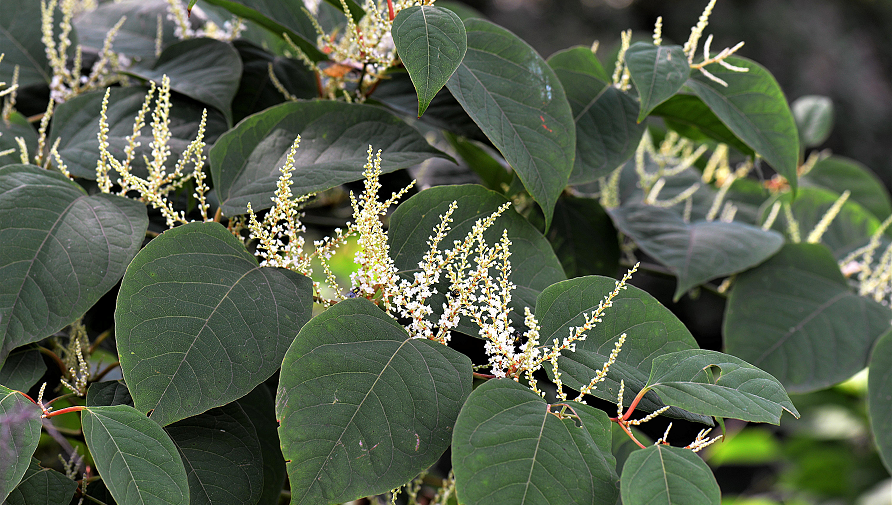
634, 404
629, 433
483, 376
76, 408
390, 9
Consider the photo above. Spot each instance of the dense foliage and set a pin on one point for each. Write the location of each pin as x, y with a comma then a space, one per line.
196, 236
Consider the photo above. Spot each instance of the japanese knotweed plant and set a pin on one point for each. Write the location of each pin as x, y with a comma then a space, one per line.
206, 337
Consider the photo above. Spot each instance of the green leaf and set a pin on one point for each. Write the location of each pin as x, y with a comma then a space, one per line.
280, 18
221, 455
814, 119
838, 174
695, 252
136, 459
607, 130
106, 394
363, 407
664, 475
690, 117
534, 266
137, 36
651, 330
60, 251
518, 102
204, 69
198, 324
256, 90
754, 108
719, 385
509, 448
76, 126
260, 407
583, 237
16, 126
796, 318
21, 44
19, 435
431, 42
246, 161
658, 73
42, 486
191, 4
879, 397
23, 368
483, 160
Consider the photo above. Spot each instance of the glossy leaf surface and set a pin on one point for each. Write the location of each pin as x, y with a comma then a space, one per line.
508, 448
363, 407
879, 397
136, 459
796, 318
695, 252
607, 130
189, 347
19, 435
431, 42
658, 72
60, 251
42, 486
663, 475
518, 102
335, 137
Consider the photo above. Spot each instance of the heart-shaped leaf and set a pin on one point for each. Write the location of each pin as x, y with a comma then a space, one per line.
41, 485
19, 435
364, 407
199, 324
136, 459
221, 455
796, 318
23, 368
718, 385
76, 127
60, 251
695, 252
664, 475
518, 102
335, 138
651, 330
753, 106
607, 130
879, 397
509, 448
658, 72
205, 69
431, 42
533, 263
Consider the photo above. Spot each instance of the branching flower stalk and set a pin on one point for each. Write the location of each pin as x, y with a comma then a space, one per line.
690, 49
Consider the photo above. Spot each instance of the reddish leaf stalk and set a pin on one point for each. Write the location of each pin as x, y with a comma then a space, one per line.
390, 9
76, 408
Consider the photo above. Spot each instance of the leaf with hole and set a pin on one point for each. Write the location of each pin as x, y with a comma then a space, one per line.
186, 347
60, 251
519, 103
363, 406
431, 42
509, 447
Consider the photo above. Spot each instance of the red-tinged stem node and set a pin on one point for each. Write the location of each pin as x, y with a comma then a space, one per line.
76, 408
634, 404
390, 9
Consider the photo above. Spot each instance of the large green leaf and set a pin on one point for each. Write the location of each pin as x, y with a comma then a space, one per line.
106, 394
518, 102
137, 36
583, 237
753, 106
796, 318
509, 448
838, 174
260, 407
533, 263
256, 90
718, 385
335, 138
431, 42
664, 475
199, 324
695, 252
607, 130
651, 330
23, 368
221, 455
658, 72
364, 407
136, 459
692, 118
20, 42
16, 125
76, 126
280, 18
60, 251
814, 119
41, 486
204, 69
19, 435
879, 397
